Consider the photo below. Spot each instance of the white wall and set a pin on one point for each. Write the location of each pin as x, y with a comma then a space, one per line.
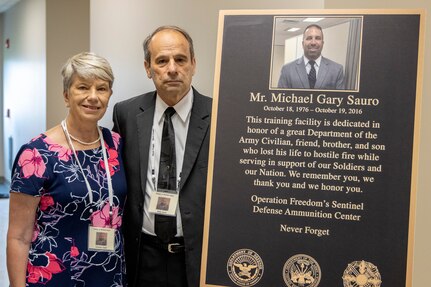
336, 41
2, 154
119, 27
24, 70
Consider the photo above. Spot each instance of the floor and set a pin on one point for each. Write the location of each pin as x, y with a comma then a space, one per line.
4, 215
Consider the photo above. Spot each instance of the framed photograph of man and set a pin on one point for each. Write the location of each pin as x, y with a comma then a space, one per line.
332, 43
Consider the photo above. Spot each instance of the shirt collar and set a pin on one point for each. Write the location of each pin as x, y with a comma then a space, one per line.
182, 108
317, 61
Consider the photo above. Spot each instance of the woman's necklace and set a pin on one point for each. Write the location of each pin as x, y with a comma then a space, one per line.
84, 143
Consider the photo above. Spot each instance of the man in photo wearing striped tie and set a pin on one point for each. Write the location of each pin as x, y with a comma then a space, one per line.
312, 70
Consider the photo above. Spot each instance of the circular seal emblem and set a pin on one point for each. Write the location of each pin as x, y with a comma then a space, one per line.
245, 267
361, 274
301, 271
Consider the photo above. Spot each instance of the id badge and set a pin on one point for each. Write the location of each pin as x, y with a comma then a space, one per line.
164, 202
101, 239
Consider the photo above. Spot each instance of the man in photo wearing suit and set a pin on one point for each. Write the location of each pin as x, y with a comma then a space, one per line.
165, 149
312, 71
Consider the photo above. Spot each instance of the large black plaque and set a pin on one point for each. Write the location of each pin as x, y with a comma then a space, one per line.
314, 187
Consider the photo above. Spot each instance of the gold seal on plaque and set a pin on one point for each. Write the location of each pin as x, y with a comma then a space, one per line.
245, 267
301, 271
361, 274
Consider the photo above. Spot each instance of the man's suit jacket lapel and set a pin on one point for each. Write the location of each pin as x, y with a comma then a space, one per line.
302, 73
321, 75
144, 121
198, 127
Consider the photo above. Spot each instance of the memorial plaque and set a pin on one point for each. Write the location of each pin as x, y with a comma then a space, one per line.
314, 187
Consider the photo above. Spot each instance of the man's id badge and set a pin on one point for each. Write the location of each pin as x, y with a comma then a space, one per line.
164, 202
101, 239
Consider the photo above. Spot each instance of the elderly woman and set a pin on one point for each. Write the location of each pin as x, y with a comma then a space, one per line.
68, 190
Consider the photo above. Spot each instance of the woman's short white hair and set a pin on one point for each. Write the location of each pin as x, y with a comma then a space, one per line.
86, 65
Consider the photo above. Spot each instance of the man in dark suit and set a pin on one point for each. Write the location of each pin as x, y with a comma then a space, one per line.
312, 71
151, 259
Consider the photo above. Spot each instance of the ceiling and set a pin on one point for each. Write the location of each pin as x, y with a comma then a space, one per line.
6, 4
282, 24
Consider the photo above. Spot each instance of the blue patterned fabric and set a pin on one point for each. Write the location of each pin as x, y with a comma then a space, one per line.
59, 254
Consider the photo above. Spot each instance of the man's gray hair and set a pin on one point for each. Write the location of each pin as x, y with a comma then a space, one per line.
147, 41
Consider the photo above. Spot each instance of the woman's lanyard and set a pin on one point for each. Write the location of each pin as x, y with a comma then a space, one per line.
105, 160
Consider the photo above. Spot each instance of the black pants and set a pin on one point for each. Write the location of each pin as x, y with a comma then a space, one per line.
160, 268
